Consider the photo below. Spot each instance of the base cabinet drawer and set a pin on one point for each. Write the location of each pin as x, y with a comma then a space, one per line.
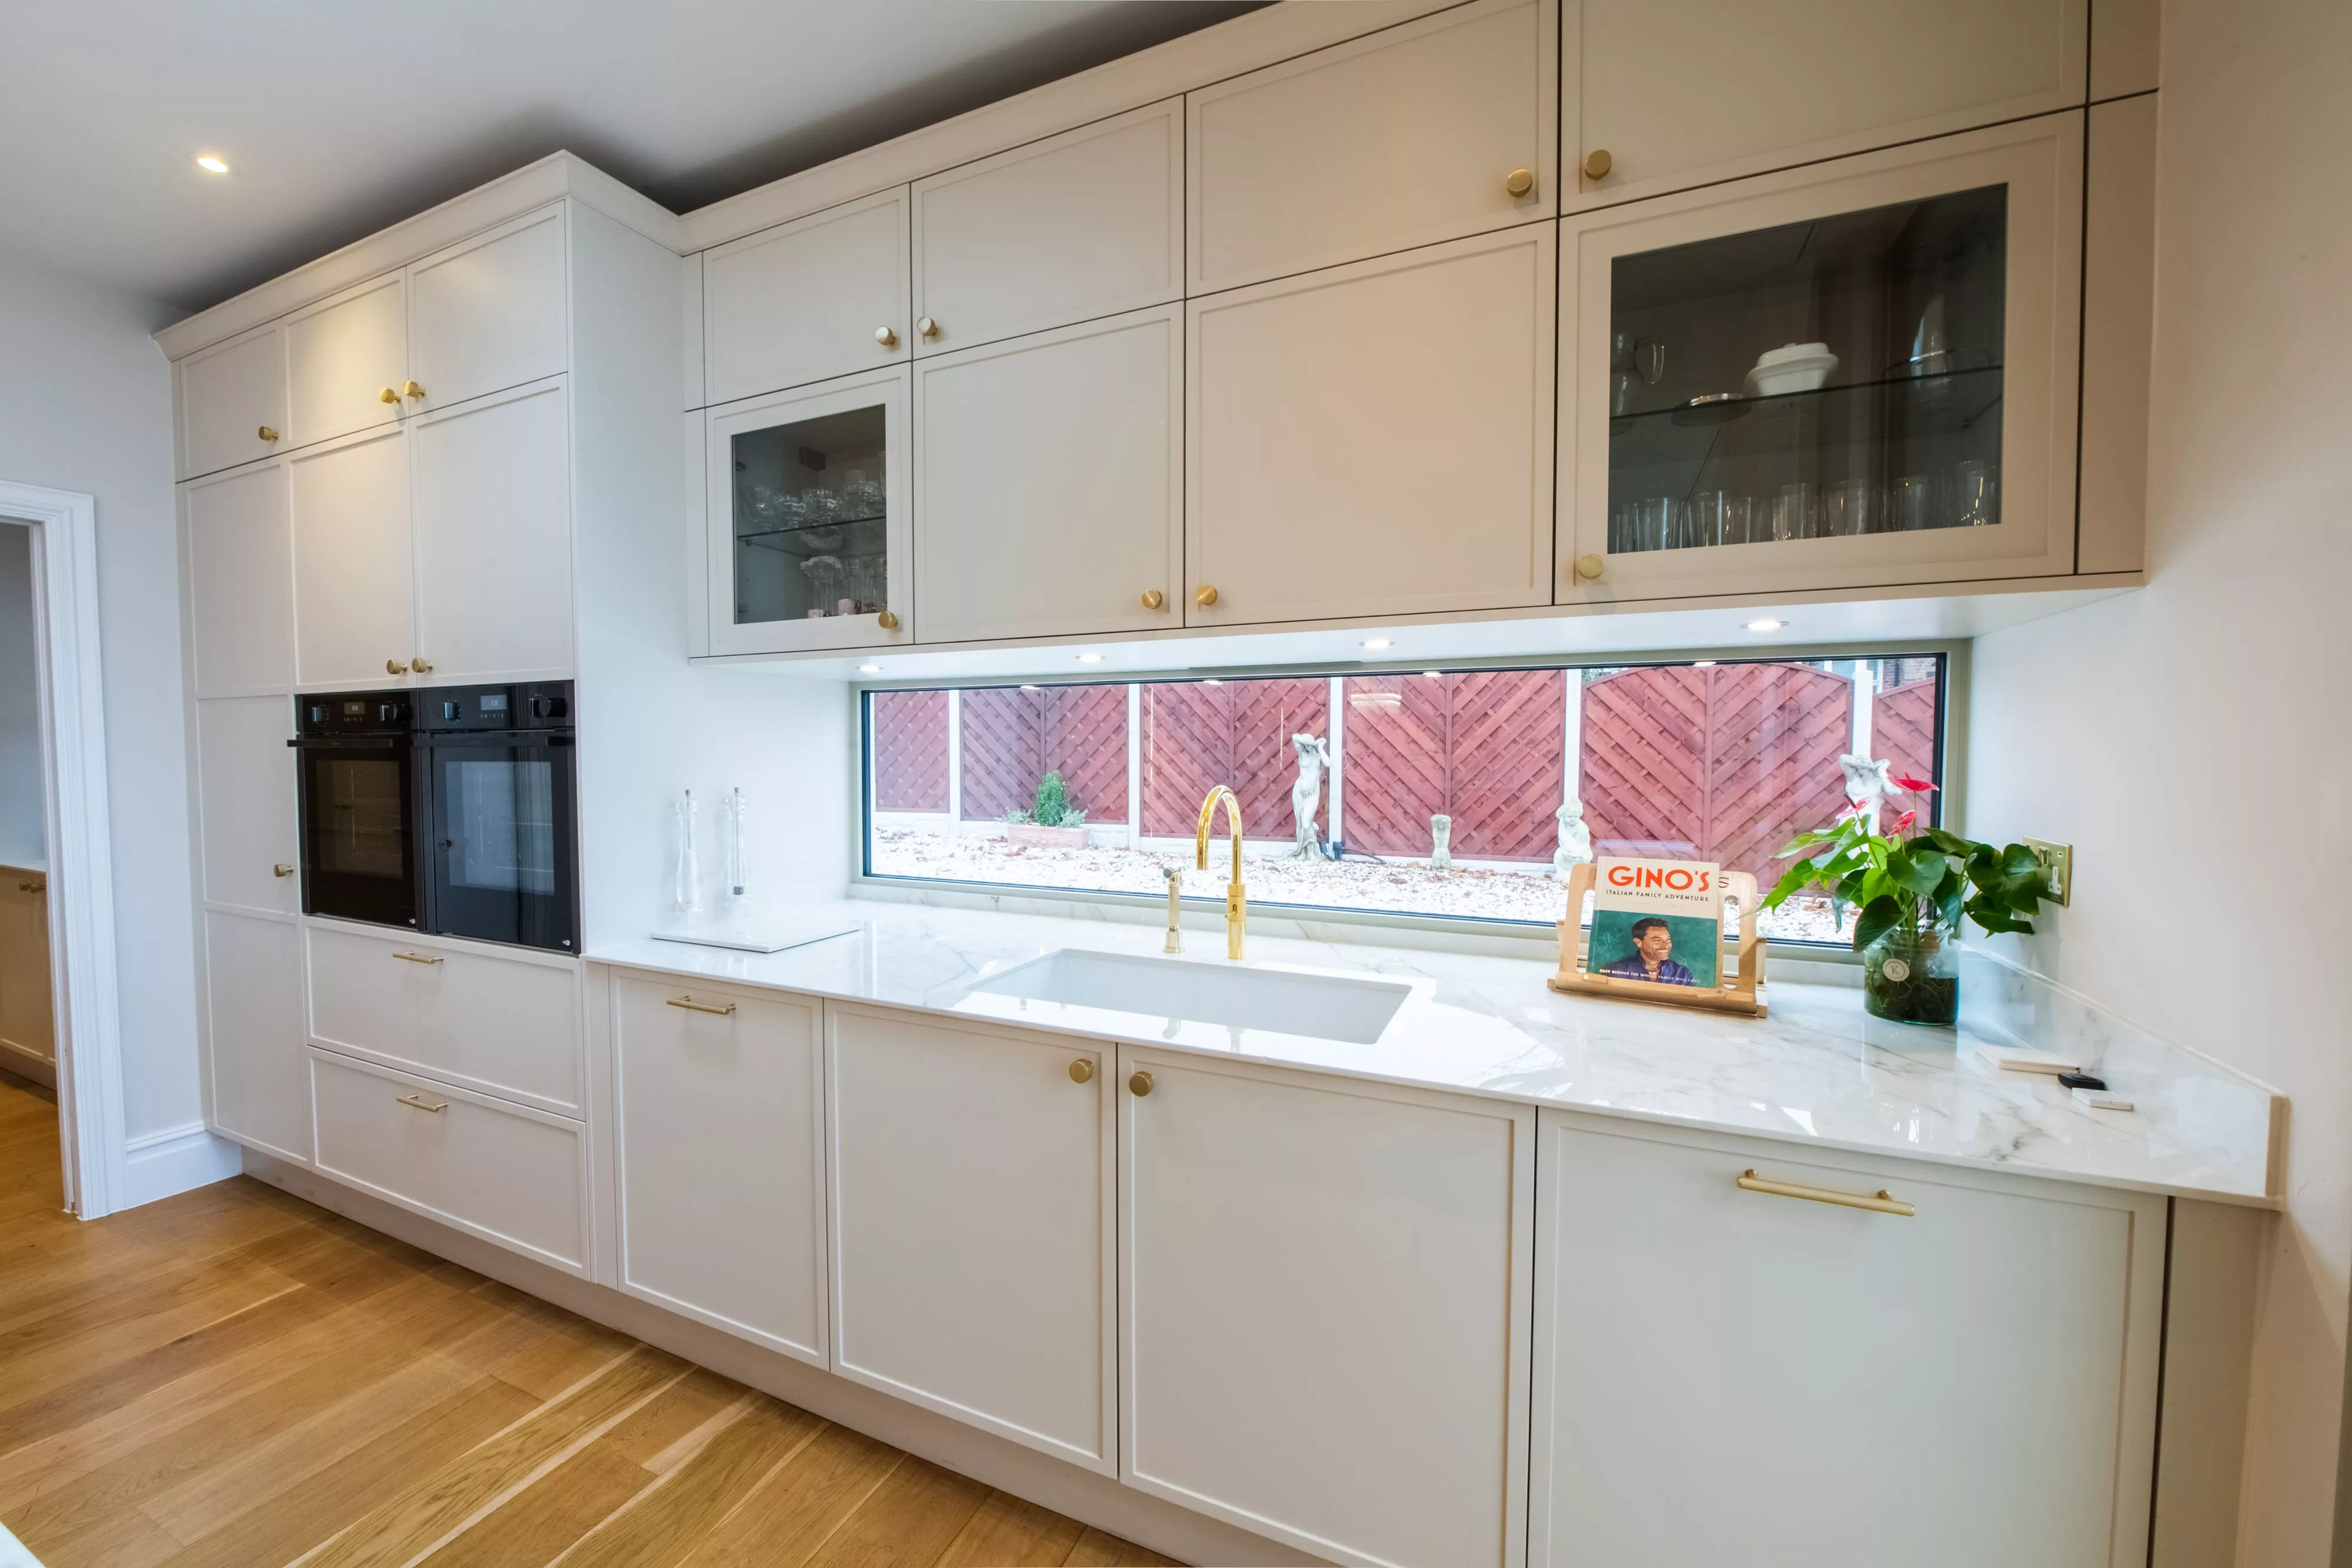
1731, 1373
507, 1026
504, 1173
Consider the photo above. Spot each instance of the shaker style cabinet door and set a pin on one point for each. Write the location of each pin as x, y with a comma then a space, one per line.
232, 401
245, 804
1857, 374
346, 362
1086, 224
1375, 439
240, 577
1666, 96
492, 482
488, 314
720, 1140
1049, 473
1440, 128
1325, 1299
355, 581
259, 1076
28, 1018
974, 1248
821, 296
1974, 1381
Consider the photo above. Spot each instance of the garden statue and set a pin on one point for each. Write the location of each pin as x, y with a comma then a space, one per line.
1313, 756
1441, 829
1575, 840
1867, 784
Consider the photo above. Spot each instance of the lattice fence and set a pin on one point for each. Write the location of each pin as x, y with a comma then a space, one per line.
1012, 738
1238, 733
1484, 747
1903, 729
910, 751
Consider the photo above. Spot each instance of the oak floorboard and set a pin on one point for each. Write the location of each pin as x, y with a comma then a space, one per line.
1010, 1534
909, 1519
661, 1526
798, 1506
541, 1523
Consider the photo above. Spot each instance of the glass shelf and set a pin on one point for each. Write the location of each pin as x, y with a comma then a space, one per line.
791, 565
839, 536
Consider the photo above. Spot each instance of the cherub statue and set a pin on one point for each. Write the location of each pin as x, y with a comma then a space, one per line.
1313, 756
1575, 840
1441, 831
1867, 782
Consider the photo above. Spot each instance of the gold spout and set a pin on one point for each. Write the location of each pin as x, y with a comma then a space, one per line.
1236, 898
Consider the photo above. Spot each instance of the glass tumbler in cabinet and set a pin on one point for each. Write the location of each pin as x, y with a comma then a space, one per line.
809, 499
1855, 374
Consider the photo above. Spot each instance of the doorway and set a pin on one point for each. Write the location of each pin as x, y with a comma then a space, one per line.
27, 1030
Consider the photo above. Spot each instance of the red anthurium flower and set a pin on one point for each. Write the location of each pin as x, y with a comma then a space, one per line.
1916, 785
1906, 819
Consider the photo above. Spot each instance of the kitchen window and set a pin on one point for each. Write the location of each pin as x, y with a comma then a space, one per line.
1096, 788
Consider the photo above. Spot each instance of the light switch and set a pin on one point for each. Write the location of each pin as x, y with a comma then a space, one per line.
2058, 860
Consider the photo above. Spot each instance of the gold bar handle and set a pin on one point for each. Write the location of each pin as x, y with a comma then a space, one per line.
723, 1009
418, 957
418, 1102
1880, 1202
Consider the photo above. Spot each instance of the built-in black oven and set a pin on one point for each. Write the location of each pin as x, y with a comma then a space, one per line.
448, 809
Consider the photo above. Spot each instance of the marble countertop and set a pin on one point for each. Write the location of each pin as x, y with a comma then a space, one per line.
1818, 1070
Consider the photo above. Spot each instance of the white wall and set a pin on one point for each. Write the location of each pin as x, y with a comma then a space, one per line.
86, 405
22, 839
2189, 727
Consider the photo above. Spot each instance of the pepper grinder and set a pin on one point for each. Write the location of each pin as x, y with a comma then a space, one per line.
1175, 942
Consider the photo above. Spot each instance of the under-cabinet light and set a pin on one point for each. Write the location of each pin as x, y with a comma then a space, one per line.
1433, 675
1377, 644
869, 669
1767, 624
1090, 658
212, 163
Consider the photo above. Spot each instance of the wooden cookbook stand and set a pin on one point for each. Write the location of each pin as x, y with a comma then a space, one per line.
1734, 993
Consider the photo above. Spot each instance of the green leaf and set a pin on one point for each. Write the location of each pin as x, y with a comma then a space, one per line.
1920, 872
1879, 917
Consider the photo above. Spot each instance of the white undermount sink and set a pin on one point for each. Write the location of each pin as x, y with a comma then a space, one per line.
1327, 1007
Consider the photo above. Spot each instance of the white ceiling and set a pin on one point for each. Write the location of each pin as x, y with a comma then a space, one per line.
341, 117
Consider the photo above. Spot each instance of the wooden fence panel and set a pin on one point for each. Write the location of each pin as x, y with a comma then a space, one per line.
1086, 737
910, 751
1395, 757
1484, 747
1643, 776
1236, 733
1903, 729
1012, 737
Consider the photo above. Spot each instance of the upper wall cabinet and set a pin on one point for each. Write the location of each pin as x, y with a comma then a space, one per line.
1441, 128
1859, 373
488, 314
354, 571
493, 536
822, 296
1664, 95
233, 401
1373, 439
346, 360
1088, 224
240, 582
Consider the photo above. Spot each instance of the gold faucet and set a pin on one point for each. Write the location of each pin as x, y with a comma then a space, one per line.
1236, 899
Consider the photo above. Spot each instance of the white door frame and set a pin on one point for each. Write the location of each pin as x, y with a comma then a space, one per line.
83, 974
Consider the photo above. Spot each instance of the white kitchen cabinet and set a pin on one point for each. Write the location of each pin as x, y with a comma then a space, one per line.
354, 578
1687, 93
974, 1240
1325, 1307
245, 804
346, 362
503, 1022
254, 1053
502, 1172
1049, 482
822, 296
720, 1148
1972, 1384
1934, 442
241, 578
1440, 128
1374, 439
27, 1017
491, 488
489, 313
1089, 223
808, 505
232, 401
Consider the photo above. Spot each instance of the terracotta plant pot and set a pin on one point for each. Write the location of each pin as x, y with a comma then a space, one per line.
1030, 836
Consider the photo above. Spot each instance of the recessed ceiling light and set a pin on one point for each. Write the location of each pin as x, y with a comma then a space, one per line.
212, 163
869, 669
1090, 658
1766, 625
1377, 644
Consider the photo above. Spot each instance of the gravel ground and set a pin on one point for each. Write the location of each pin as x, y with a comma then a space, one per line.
1410, 887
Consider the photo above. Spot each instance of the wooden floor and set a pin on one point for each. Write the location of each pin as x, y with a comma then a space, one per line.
234, 1377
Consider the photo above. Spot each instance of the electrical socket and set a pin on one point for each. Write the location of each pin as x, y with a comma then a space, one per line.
2058, 860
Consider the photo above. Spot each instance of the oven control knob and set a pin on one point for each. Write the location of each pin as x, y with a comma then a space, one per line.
548, 707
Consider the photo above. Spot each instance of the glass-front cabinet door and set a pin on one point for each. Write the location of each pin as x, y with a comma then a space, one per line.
809, 504
1856, 374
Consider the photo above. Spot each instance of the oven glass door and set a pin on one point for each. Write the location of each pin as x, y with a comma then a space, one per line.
502, 838
358, 854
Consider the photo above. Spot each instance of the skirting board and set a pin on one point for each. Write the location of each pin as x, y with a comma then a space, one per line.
30, 1066
174, 1160
1040, 1479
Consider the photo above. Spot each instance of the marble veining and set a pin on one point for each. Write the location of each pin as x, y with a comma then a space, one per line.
1818, 1070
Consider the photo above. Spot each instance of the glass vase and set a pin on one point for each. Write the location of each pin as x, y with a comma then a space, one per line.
1912, 975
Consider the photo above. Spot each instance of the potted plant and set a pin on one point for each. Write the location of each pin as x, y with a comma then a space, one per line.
1051, 823
1912, 889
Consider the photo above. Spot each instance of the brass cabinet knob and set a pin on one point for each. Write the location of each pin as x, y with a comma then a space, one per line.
1597, 163
1153, 599
387, 395
928, 328
1520, 181
1082, 1071
1588, 567
886, 621
886, 337
266, 434
420, 666
410, 388
395, 667
1140, 1084
1205, 596
281, 869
